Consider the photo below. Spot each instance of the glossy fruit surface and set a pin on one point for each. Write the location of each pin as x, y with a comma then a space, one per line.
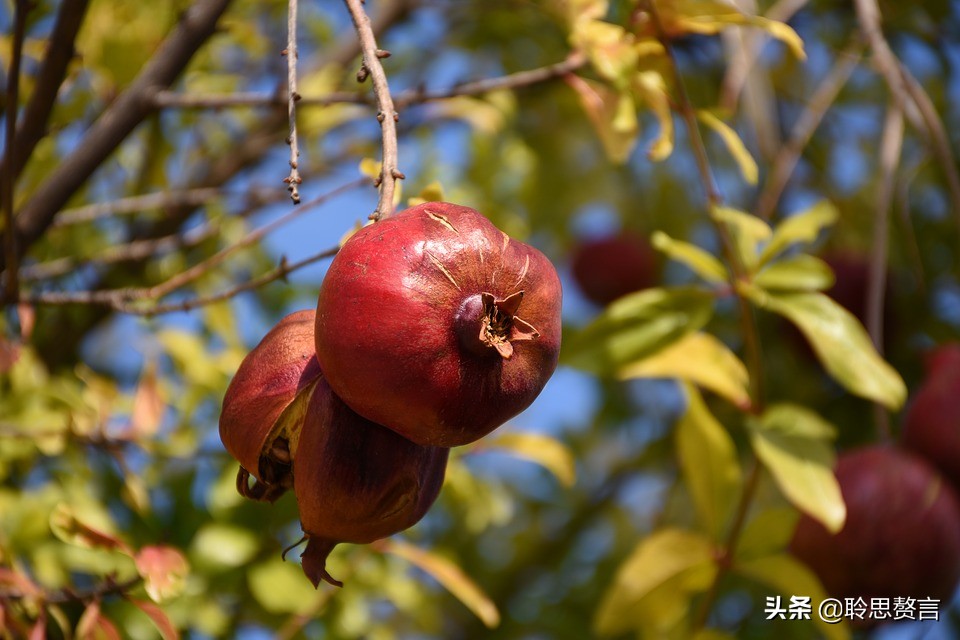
931, 425
902, 533
610, 267
356, 481
436, 324
263, 389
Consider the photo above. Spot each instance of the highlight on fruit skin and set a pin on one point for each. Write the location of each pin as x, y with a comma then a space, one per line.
438, 325
902, 533
609, 267
357, 481
259, 424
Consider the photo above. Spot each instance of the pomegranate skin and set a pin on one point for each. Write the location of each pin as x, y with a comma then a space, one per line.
266, 383
436, 324
902, 533
356, 481
931, 425
611, 267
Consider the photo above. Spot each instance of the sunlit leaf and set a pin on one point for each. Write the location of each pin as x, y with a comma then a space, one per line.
164, 571
748, 232
701, 359
708, 459
840, 342
280, 587
801, 272
609, 47
451, 577
637, 325
433, 192
612, 114
223, 544
795, 445
166, 628
483, 116
702, 263
652, 88
546, 451
789, 577
767, 531
577, 10
742, 156
135, 493
67, 527
658, 558
803, 227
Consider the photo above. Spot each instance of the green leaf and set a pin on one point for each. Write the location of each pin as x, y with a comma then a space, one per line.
651, 86
748, 166
658, 558
451, 577
797, 273
159, 617
70, 529
794, 444
224, 545
279, 587
612, 114
790, 577
636, 326
768, 531
548, 452
702, 263
840, 342
609, 47
802, 227
708, 459
701, 359
748, 232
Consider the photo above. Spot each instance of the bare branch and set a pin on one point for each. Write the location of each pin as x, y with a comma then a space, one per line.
293, 180
387, 116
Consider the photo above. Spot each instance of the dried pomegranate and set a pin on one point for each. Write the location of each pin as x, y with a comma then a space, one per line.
436, 324
259, 421
356, 481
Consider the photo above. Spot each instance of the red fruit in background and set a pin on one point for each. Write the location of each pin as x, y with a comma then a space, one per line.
264, 387
931, 426
611, 267
902, 533
852, 285
436, 324
356, 481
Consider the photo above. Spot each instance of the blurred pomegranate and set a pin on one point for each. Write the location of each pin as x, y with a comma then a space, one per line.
611, 267
356, 481
253, 425
902, 534
931, 426
436, 324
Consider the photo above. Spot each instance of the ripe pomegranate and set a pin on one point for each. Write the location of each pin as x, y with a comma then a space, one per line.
610, 267
902, 534
931, 426
436, 324
253, 424
356, 481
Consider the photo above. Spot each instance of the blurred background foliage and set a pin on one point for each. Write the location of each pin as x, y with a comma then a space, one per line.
606, 507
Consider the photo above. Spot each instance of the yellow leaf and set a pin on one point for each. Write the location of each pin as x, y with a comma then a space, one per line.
548, 452
701, 359
748, 166
370, 168
802, 227
609, 47
451, 577
480, 114
651, 86
767, 532
433, 192
801, 272
612, 115
700, 262
148, 404
748, 232
708, 459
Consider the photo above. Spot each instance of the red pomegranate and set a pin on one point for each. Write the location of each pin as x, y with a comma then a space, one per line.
610, 267
902, 533
931, 426
264, 387
356, 481
436, 324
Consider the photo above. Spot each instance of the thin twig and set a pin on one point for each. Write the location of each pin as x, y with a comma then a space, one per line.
293, 180
786, 159
9, 177
387, 115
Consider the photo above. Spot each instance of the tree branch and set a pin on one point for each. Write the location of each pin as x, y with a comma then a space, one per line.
293, 180
387, 115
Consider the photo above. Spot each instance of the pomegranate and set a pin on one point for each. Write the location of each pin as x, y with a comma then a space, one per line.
436, 324
902, 534
611, 267
931, 426
356, 481
259, 421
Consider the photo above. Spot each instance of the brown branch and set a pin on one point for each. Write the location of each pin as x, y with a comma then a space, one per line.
292, 53
60, 51
9, 176
387, 115
786, 159
113, 126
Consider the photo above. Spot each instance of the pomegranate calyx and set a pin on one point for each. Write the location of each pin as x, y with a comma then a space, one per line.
500, 327
314, 561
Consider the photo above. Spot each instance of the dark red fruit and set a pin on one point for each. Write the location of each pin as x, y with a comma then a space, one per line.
356, 481
902, 533
611, 267
852, 285
931, 426
436, 324
257, 425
